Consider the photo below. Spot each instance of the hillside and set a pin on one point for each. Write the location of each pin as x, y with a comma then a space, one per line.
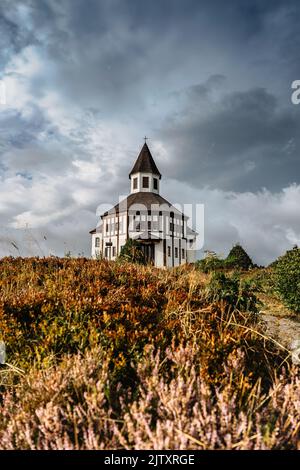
102, 355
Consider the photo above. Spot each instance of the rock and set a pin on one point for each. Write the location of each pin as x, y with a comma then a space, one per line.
295, 351
2, 352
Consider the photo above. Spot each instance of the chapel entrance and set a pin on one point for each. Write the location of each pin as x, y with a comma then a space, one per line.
148, 251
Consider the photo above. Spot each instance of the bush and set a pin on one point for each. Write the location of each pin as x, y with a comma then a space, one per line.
210, 263
238, 294
287, 278
238, 258
132, 252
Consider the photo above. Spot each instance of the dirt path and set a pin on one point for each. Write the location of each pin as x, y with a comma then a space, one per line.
285, 330
281, 324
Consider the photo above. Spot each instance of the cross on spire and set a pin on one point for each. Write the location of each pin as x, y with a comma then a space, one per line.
146, 138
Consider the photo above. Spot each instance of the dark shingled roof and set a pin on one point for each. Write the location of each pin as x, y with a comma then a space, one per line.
147, 236
148, 200
145, 163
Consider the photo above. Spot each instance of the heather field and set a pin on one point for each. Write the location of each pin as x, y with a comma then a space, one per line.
104, 355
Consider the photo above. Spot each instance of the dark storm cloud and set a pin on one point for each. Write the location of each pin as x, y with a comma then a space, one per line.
243, 142
113, 54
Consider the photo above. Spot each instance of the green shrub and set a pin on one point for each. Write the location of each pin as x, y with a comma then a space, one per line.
210, 263
287, 278
132, 252
238, 294
238, 258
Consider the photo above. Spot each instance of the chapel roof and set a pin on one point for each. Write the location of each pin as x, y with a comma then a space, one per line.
146, 199
145, 163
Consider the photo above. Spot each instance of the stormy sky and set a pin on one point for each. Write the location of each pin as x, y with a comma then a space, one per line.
209, 82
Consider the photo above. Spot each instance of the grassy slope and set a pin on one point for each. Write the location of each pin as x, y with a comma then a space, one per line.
120, 356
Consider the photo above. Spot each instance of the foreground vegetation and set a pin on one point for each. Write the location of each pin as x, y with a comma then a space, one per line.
105, 355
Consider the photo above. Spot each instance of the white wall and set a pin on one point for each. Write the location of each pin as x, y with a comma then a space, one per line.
110, 236
191, 249
163, 224
159, 254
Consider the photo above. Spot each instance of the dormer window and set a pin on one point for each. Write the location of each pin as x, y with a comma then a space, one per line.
135, 183
155, 183
145, 181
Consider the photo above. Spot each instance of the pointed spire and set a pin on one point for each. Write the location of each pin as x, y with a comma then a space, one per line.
145, 163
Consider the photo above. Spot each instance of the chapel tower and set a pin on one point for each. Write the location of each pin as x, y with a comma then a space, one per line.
145, 176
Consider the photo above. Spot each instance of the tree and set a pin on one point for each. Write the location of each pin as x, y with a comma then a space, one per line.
238, 258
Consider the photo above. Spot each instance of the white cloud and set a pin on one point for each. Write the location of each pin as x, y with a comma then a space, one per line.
266, 223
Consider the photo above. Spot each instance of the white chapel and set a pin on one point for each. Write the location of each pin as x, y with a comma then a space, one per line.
145, 216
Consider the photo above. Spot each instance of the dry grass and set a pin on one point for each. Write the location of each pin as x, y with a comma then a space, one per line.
107, 356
